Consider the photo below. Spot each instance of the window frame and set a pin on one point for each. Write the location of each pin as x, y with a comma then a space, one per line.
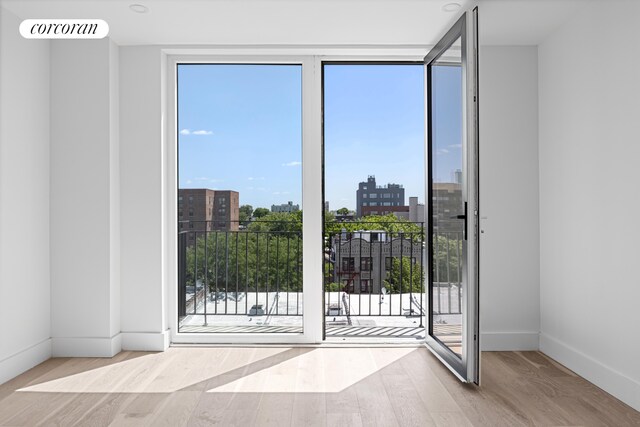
312, 59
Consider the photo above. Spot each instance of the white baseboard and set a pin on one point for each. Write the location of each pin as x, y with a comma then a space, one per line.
509, 341
145, 341
24, 360
613, 382
86, 347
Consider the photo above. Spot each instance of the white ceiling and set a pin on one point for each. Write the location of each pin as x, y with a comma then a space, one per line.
304, 22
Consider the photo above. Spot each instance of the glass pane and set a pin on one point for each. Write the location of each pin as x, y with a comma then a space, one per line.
374, 282
239, 196
447, 204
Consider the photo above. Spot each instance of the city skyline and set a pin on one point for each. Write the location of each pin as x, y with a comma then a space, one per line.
240, 129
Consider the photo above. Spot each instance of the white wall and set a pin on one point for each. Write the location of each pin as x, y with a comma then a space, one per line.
85, 231
509, 242
141, 164
589, 79
24, 200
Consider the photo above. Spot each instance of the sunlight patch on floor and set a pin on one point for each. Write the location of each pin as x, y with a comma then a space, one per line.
326, 370
167, 372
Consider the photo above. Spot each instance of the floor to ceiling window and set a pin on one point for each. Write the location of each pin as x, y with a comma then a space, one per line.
239, 195
374, 180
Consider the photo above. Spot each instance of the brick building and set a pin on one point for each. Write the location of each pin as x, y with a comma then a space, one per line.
201, 209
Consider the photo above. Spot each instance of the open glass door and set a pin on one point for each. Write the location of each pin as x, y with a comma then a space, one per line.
452, 197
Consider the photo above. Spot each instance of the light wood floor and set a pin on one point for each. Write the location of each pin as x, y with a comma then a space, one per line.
279, 386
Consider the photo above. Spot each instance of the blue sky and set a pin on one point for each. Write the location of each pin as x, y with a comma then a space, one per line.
447, 121
374, 125
240, 129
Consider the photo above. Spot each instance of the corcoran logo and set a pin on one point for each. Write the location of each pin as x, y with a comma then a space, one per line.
64, 29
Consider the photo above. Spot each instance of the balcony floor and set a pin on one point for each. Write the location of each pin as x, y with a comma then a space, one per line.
304, 386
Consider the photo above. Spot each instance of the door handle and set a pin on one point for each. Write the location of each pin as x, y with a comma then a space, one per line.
463, 217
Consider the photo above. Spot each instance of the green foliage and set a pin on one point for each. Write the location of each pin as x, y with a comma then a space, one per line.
343, 211
447, 251
252, 260
268, 254
246, 212
389, 223
278, 222
260, 212
404, 277
333, 287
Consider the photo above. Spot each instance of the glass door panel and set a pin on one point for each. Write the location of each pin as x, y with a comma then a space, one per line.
451, 103
448, 207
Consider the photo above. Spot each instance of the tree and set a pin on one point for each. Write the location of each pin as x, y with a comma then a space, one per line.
246, 212
396, 227
230, 261
447, 252
404, 277
260, 212
279, 222
343, 211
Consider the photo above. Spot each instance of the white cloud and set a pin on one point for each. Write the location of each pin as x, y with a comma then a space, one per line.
260, 178
195, 132
294, 163
443, 151
455, 146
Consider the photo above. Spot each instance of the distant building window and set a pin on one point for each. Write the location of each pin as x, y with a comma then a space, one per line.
373, 204
364, 187
190, 199
364, 196
386, 195
366, 264
373, 196
386, 204
387, 263
180, 213
179, 198
364, 285
348, 264
190, 225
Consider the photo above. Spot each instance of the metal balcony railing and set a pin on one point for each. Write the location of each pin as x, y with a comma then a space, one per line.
257, 270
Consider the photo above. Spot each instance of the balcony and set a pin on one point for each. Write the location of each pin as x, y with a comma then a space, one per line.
250, 280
